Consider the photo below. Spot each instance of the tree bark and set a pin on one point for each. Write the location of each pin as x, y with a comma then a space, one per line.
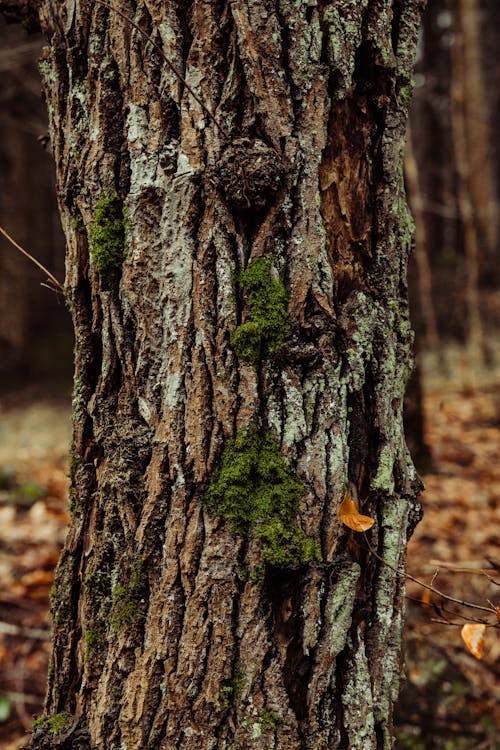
170, 629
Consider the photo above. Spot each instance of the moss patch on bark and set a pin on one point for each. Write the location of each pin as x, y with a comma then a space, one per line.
257, 493
262, 334
54, 724
125, 598
107, 235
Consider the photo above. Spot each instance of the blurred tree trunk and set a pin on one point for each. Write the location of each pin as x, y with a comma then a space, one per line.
31, 317
453, 120
169, 629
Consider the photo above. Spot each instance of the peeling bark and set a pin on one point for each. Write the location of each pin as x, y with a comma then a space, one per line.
168, 631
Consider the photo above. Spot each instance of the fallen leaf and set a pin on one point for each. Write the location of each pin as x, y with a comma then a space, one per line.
38, 577
351, 517
426, 597
473, 636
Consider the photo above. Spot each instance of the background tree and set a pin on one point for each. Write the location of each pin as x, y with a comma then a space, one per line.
453, 118
32, 321
238, 296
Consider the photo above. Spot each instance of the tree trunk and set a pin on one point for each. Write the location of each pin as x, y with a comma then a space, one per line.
208, 595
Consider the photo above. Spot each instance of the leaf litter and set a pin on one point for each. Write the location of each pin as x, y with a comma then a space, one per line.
450, 698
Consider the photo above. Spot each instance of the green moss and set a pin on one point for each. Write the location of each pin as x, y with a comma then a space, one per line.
286, 544
262, 334
77, 223
107, 236
125, 598
74, 463
231, 690
94, 639
257, 493
54, 723
269, 720
257, 574
98, 581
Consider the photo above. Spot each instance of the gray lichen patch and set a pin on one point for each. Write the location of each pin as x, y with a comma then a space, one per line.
357, 701
384, 478
344, 34
339, 607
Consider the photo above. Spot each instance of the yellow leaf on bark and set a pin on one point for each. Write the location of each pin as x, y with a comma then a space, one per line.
351, 517
473, 635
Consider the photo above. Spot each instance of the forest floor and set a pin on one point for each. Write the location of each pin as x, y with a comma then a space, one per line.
448, 699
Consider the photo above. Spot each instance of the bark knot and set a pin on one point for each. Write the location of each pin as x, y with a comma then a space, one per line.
250, 174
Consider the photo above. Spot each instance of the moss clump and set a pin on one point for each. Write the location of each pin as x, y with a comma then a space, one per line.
257, 574
257, 493
77, 223
286, 544
269, 720
231, 690
94, 640
107, 236
125, 599
263, 334
54, 723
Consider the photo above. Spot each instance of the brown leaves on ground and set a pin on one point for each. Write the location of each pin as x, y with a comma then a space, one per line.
33, 520
449, 698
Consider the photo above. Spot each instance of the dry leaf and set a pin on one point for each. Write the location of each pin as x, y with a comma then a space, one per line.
473, 635
351, 517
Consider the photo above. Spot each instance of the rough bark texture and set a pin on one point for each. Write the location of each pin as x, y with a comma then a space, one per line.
168, 630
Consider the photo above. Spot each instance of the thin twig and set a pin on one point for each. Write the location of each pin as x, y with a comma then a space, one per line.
476, 622
442, 611
32, 259
461, 567
463, 603
172, 67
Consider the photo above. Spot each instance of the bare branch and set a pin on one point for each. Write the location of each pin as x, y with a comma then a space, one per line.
472, 605
36, 262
